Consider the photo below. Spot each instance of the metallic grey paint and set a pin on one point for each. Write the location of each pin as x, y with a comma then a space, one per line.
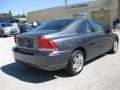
67, 40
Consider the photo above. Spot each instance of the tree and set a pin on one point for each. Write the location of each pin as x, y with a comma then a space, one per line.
20, 16
10, 14
5, 15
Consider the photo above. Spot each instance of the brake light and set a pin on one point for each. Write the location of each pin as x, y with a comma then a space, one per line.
47, 44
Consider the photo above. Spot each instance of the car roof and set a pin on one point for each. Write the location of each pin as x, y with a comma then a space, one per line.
70, 19
76, 19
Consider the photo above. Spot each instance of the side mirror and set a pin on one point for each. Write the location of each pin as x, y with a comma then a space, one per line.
107, 29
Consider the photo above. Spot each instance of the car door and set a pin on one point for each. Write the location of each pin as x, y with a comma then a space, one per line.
104, 39
88, 39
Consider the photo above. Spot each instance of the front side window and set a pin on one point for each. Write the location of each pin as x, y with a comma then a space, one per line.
97, 26
85, 27
6, 25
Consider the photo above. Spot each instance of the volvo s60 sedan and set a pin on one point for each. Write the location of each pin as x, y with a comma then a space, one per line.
64, 44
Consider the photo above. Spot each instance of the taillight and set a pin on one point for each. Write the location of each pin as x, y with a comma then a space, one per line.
47, 44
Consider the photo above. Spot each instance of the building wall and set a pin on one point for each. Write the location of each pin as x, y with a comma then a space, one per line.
103, 10
102, 15
35, 16
110, 10
47, 14
57, 13
119, 9
82, 11
114, 9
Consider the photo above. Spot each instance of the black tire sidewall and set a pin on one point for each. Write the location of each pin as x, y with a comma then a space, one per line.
113, 47
70, 69
2, 34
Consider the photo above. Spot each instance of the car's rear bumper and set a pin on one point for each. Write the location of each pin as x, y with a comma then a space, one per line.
42, 60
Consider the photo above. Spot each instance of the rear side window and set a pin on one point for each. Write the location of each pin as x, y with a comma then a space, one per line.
98, 26
54, 25
85, 28
3, 25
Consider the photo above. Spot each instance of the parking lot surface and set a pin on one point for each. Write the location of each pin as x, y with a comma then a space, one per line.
101, 73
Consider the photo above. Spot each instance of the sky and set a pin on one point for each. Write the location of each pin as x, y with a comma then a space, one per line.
24, 6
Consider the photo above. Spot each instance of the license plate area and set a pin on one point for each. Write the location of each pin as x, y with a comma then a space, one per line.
25, 42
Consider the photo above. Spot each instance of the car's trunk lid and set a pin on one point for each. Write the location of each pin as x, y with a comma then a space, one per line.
29, 40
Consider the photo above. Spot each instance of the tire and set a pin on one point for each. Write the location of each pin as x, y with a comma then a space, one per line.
2, 34
114, 47
76, 63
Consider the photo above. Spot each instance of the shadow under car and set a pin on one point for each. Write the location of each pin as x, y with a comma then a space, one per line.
34, 75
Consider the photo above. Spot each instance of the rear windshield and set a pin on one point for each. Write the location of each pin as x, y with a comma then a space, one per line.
6, 25
54, 25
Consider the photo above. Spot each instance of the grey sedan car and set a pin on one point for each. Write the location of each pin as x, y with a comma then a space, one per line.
64, 44
7, 29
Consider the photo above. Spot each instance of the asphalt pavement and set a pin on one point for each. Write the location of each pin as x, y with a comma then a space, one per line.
101, 73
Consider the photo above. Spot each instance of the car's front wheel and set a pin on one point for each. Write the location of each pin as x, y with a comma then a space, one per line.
114, 47
2, 34
76, 63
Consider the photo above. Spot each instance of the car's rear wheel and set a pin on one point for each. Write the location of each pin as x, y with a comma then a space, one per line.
114, 47
76, 63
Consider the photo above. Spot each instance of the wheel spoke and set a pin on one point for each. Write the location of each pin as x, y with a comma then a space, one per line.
74, 66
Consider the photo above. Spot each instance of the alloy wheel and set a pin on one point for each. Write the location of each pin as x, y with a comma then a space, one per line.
115, 46
78, 62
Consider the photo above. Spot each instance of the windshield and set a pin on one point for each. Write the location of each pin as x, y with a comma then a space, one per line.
54, 25
6, 24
